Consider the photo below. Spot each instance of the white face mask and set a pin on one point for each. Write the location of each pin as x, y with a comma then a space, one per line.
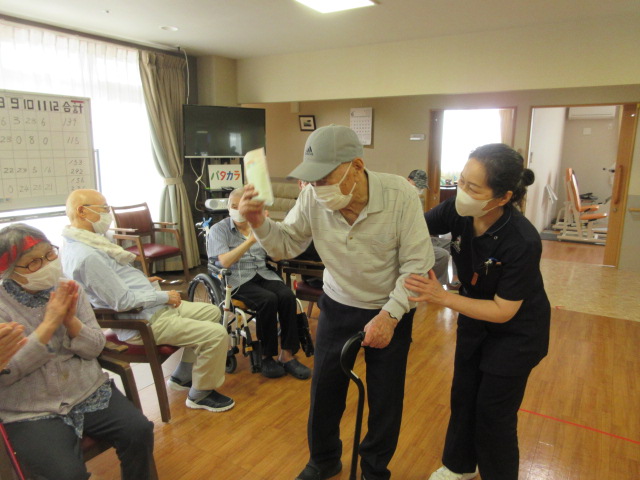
101, 226
331, 197
467, 206
45, 278
235, 215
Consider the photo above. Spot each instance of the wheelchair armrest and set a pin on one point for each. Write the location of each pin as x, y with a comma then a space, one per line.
216, 269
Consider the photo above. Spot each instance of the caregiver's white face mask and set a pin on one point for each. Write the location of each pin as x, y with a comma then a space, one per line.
331, 197
467, 206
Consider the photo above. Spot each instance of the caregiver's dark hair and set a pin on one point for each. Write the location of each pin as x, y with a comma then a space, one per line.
505, 171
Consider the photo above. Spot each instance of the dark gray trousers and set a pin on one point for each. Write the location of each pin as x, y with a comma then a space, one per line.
385, 378
50, 449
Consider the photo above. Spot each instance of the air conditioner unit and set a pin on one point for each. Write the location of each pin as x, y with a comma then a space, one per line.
592, 113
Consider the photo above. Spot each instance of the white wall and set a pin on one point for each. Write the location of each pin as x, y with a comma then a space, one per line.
588, 147
576, 54
217, 81
545, 151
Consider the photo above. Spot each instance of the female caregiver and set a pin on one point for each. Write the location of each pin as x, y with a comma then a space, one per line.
504, 313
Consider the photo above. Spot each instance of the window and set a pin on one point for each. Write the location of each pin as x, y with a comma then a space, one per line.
44, 61
464, 130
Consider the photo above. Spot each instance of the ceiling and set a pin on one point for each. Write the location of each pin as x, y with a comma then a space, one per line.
254, 28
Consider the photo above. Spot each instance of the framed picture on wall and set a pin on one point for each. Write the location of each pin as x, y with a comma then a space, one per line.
307, 122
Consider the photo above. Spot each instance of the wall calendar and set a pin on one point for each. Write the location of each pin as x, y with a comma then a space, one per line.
46, 149
361, 122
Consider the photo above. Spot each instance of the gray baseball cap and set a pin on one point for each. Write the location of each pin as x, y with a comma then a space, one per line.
326, 149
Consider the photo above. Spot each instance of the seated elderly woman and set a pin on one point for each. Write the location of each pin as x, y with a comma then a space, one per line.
53, 390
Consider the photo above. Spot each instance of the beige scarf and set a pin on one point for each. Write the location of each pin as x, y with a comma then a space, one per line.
100, 242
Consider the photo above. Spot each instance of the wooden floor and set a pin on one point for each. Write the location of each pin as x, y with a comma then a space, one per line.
573, 252
579, 420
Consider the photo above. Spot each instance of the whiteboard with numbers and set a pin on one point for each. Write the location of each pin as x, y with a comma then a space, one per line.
46, 149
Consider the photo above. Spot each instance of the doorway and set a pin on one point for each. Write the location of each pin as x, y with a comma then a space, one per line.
597, 143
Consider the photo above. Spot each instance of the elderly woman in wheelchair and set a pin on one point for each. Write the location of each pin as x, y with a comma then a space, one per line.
232, 246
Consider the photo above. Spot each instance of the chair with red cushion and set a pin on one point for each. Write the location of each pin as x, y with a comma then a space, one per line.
133, 223
148, 352
294, 270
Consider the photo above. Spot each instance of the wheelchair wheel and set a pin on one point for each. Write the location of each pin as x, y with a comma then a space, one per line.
204, 289
232, 364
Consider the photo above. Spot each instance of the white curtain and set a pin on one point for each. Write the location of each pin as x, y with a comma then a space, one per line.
44, 61
506, 125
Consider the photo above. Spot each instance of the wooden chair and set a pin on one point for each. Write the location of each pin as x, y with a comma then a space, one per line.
148, 352
133, 223
294, 270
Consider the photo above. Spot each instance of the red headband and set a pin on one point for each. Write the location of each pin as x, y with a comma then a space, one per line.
9, 256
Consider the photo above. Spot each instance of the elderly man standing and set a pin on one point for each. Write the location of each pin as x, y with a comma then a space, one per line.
369, 231
105, 272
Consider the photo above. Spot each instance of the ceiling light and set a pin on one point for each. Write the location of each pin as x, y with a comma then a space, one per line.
169, 28
328, 6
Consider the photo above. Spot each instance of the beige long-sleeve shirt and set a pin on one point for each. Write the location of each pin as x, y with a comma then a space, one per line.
365, 263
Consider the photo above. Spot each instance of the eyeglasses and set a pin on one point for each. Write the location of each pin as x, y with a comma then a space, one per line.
36, 264
104, 207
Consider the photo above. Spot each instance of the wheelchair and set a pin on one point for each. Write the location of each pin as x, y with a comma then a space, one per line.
214, 287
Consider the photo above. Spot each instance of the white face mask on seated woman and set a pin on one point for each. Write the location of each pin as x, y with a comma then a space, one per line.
44, 278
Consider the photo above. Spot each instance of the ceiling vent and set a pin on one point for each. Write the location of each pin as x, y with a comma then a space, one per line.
592, 113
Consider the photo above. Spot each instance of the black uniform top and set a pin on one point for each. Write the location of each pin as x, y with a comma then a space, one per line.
504, 261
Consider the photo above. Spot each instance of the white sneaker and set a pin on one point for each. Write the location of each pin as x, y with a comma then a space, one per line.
443, 473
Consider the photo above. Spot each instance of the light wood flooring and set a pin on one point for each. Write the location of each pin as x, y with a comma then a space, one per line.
579, 420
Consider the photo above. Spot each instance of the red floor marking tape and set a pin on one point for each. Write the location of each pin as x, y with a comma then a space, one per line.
581, 426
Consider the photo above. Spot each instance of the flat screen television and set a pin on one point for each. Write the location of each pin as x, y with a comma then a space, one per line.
222, 132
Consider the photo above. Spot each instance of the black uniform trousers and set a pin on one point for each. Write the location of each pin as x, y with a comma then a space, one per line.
385, 379
272, 300
484, 419
50, 449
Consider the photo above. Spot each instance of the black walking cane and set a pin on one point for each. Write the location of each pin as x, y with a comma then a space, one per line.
349, 351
